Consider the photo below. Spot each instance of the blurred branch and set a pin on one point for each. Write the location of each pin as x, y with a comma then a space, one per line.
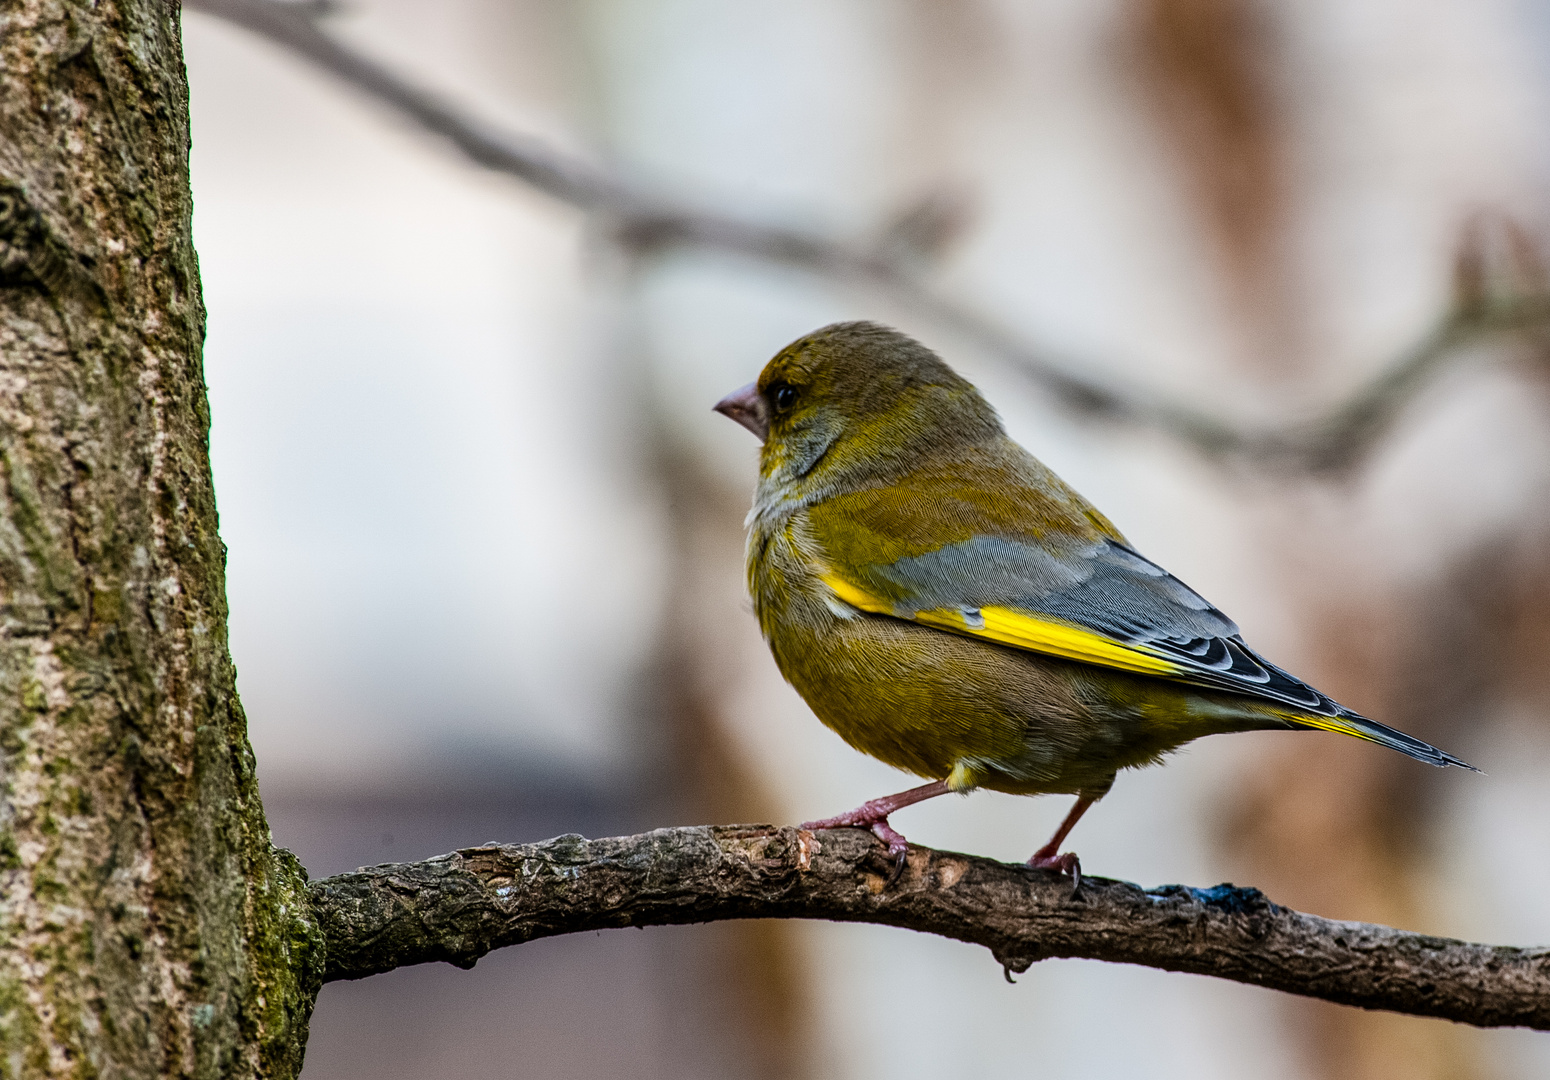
643, 220
458, 907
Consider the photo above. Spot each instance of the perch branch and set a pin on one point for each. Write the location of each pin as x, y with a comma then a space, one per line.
460, 906
643, 220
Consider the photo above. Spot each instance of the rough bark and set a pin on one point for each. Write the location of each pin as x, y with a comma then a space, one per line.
147, 928
458, 907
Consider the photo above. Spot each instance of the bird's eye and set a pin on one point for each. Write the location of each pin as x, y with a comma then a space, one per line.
784, 395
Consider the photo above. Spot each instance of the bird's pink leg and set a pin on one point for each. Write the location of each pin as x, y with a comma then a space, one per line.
1047, 859
874, 815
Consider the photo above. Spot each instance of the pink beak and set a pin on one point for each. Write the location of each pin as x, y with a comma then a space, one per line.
747, 408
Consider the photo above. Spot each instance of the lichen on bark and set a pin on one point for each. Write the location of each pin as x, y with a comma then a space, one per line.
147, 926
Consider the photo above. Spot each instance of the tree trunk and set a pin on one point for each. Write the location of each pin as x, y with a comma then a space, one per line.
147, 927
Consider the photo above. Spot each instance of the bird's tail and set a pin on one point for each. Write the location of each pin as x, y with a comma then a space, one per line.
1349, 723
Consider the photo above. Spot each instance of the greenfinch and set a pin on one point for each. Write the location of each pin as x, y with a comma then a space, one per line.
946, 604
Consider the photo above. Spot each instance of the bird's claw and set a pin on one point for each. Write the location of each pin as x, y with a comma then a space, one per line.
866, 817
898, 848
1061, 864
873, 815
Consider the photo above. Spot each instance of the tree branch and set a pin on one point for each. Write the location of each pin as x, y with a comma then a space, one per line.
458, 907
644, 220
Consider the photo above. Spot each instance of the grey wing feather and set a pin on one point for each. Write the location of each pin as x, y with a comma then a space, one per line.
1111, 590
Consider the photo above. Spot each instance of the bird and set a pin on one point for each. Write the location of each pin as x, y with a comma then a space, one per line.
948, 605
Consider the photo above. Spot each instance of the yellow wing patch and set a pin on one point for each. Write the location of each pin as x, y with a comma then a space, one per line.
1020, 630
1335, 724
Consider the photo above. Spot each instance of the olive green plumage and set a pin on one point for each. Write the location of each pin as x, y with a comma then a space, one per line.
948, 605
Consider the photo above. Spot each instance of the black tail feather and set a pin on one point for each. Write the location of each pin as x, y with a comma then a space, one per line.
1350, 723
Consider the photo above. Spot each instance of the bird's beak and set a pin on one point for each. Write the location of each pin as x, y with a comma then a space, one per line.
747, 408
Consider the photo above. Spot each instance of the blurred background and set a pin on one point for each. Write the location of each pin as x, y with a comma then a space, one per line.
486, 534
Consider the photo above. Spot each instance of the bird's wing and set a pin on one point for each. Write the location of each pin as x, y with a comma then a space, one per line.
1081, 594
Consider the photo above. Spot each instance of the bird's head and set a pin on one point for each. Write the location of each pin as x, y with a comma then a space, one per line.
859, 401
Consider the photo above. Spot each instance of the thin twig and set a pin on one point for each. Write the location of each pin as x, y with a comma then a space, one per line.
645, 220
458, 907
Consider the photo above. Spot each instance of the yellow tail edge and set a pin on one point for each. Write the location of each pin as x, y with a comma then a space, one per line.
1360, 727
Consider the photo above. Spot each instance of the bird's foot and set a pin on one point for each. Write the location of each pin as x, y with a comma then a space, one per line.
1046, 859
872, 815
